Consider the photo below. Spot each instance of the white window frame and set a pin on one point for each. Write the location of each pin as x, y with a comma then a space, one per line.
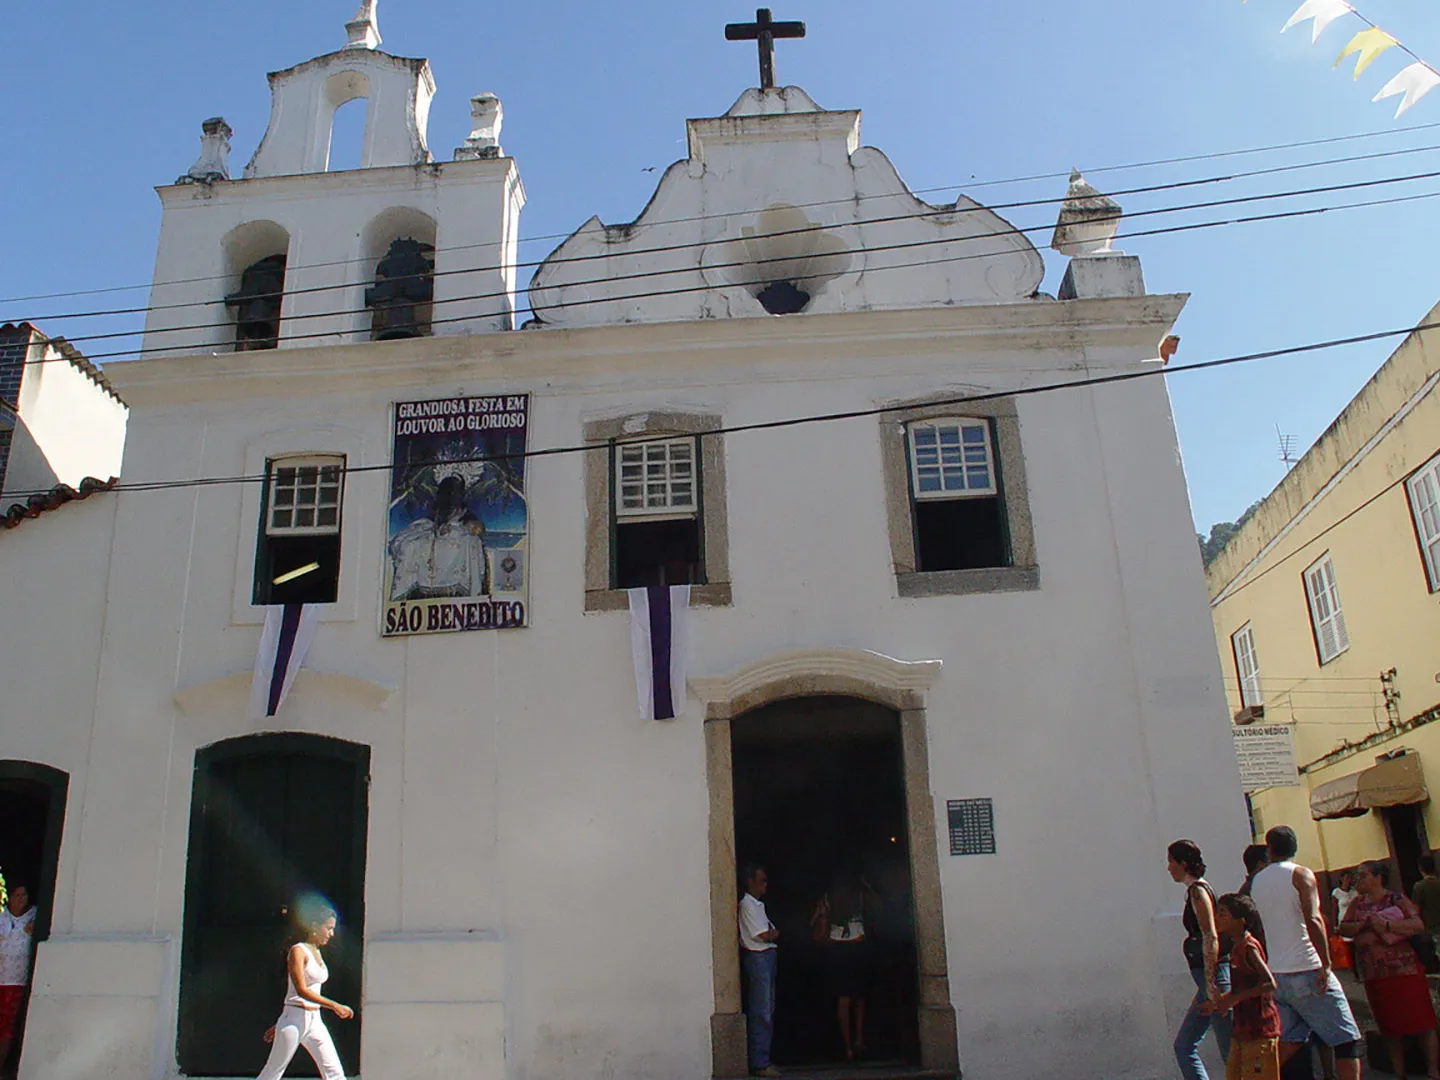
1327, 617
1424, 491
1247, 666
273, 490
677, 497
939, 467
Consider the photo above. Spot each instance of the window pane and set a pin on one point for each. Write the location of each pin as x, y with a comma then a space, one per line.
298, 489
952, 458
655, 477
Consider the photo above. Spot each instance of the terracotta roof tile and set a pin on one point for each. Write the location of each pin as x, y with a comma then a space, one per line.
53, 499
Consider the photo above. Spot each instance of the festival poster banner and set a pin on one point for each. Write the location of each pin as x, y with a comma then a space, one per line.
457, 543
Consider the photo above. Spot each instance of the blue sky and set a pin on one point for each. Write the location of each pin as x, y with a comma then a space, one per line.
103, 101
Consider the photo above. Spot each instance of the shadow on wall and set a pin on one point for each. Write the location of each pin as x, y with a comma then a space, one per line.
25, 468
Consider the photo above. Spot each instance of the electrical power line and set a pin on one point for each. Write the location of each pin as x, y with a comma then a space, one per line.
817, 418
552, 260
1187, 159
705, 287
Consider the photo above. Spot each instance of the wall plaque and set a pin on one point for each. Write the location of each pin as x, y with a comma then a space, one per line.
972, 826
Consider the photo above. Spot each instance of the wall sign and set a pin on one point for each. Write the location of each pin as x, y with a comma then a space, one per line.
1266, 756
457, 542
972, 826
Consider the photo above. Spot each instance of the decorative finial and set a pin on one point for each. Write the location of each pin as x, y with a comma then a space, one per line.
483, 141
214, 160
1088, 220
363, 31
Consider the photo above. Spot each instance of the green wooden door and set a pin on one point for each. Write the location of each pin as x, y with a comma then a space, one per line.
274, 817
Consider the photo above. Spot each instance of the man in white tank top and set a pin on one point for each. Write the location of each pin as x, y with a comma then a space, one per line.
1307, 993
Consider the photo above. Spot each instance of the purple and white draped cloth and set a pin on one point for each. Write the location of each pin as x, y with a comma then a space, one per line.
289, 629
659, 620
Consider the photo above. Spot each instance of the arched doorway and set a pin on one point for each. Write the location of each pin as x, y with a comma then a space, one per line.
273, 817
898, 688
820, 802
32, 808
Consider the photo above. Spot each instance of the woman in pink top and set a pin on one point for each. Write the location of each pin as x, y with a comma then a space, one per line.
1382, 922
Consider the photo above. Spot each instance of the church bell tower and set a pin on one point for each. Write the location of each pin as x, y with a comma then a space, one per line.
296, 253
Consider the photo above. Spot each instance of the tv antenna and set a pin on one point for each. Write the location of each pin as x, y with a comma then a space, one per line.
1287, 448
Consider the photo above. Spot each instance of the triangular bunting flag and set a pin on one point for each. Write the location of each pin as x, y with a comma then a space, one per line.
1368, 44
659, 615
1414, 82
289, 629
1321, 13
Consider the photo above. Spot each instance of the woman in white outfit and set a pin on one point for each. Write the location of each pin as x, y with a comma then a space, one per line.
301, 1023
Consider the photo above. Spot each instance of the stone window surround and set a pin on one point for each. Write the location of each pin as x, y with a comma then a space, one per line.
716, 592
1023, 574
356, 542
898, 685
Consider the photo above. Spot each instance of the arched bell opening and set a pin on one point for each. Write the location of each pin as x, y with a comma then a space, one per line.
400, 244
255, 256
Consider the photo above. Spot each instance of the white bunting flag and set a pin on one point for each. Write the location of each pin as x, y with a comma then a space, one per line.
289, 629
1321, 13
1414, 82
659, 615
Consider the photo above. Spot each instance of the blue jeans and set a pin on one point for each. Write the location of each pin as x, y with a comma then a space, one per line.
1196, 1023
759, 1005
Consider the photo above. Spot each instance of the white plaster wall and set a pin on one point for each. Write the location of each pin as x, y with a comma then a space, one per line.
537, 854
475, 205
778, 189
69, 428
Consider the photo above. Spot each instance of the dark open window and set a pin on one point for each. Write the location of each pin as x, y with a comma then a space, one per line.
297, 556
656, 522
957, 502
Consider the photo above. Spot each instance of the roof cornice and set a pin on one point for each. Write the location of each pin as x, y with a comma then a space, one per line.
1113, 332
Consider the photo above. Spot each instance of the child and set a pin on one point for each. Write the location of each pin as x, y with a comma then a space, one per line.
1255, 1025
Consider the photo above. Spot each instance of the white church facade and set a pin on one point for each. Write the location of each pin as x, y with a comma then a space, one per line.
947, 628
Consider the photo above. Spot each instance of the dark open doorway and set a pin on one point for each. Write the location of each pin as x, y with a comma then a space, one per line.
820, 797
32, 807
273, 817
1405, 829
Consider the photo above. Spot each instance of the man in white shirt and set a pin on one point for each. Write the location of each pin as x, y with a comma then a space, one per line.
757, 958
1307, 993
17, 936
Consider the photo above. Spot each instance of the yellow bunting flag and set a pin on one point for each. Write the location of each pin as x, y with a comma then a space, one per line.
1414, 82
1368, 44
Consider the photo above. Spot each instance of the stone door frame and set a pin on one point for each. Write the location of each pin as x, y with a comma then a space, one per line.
896, 684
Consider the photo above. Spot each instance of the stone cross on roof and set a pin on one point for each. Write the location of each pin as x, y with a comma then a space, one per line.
362, 30
763, 31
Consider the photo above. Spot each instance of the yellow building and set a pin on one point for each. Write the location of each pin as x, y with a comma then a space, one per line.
1328, 620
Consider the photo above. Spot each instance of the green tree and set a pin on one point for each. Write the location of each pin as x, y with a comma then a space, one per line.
1220, 534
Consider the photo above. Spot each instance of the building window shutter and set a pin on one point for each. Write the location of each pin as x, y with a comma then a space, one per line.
657, 532
655, 479
951, 459
1424, 489
1247, 666
297, 554
1326, 616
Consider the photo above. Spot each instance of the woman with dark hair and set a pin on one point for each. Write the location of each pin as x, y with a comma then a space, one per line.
300, 1022
839, 922
1382, 922
1207, 955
